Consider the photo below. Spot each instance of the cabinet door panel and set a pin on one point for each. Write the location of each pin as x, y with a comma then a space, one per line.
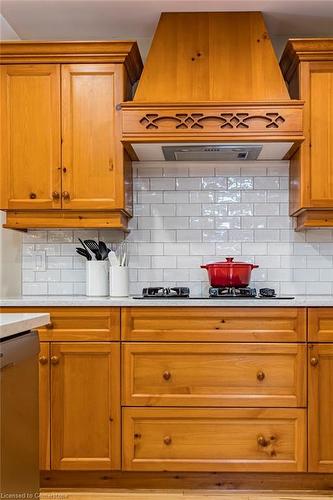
244, 440
321, 133
177, 374
44, 407
90, 157
85, 406
30, 102
320, 408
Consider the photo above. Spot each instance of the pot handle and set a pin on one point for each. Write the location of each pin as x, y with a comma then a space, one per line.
204, 266
254, 266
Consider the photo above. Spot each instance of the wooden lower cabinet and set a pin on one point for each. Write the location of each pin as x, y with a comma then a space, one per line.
170, 439
211, 374
85, 406
320, 408
44, 407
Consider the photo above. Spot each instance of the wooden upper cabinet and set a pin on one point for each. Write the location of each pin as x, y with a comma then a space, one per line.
308, 68
85, 406
61, 141
30, 152
91, 156
320, 408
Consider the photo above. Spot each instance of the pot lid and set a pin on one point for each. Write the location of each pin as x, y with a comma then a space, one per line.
229, 261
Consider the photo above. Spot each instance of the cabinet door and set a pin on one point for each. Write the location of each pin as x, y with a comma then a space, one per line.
44, 406
85, 406
30, 151
317, 90
320, 408
91, 163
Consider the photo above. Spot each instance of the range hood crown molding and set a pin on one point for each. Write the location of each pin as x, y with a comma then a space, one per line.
212, 77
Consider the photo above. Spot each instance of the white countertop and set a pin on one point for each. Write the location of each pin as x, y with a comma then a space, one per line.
11, 324
83, 301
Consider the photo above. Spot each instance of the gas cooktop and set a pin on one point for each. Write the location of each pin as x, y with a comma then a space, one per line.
213, 293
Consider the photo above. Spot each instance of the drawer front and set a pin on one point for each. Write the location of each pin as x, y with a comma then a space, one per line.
246, 440
215, 324
167, 374
78, 323
320, 324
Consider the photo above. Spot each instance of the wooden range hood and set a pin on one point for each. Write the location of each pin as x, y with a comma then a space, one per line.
212, 78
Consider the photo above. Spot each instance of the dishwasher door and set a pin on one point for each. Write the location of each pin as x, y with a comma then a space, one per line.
19, 468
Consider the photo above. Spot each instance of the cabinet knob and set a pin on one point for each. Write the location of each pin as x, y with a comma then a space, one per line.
314, 361
49, 326
56, 195
262, 441
43, 360
166, 375
54, 360
260, 375
167, 440
32, 196
65, 195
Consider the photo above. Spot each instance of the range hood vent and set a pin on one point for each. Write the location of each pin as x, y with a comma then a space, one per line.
212, 152
211, 77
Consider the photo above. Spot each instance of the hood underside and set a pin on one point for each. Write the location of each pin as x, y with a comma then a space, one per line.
212, 78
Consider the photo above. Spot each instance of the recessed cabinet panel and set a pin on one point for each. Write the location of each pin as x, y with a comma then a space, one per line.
44, 407
91, 158
214, 324
321, 133
85, 406
244, 440
178, 374
320, 408
30, 151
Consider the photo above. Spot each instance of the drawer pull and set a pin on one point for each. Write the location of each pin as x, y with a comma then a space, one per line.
43, 360
314, 361
49, 326
166, 375
137, 435
167, 440
32, 196
262, 441
260, 376
55, 360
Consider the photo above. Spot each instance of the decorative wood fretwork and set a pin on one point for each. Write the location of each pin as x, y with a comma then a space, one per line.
199, 120
212, 121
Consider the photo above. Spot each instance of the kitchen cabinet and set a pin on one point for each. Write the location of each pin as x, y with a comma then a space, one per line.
63, 163
320, 407
31, 140
174, 439
307, 65
213, 324
44, 407
85, 406
212, 374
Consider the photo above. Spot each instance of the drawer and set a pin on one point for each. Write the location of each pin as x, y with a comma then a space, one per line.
169, 374
246, 440
215, 324
320, 324
78, 323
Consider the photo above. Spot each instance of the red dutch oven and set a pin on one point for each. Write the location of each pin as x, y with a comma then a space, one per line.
229, 273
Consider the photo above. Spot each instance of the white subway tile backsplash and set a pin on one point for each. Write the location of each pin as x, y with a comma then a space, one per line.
266, 183
202, 222
186, 214
163, 184
188, 183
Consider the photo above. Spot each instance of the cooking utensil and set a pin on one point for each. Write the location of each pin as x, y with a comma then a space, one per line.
229, 273
85, 253
103, 250
113, 258
94, 247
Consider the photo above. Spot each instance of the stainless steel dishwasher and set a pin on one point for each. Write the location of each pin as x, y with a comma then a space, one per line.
19, 470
